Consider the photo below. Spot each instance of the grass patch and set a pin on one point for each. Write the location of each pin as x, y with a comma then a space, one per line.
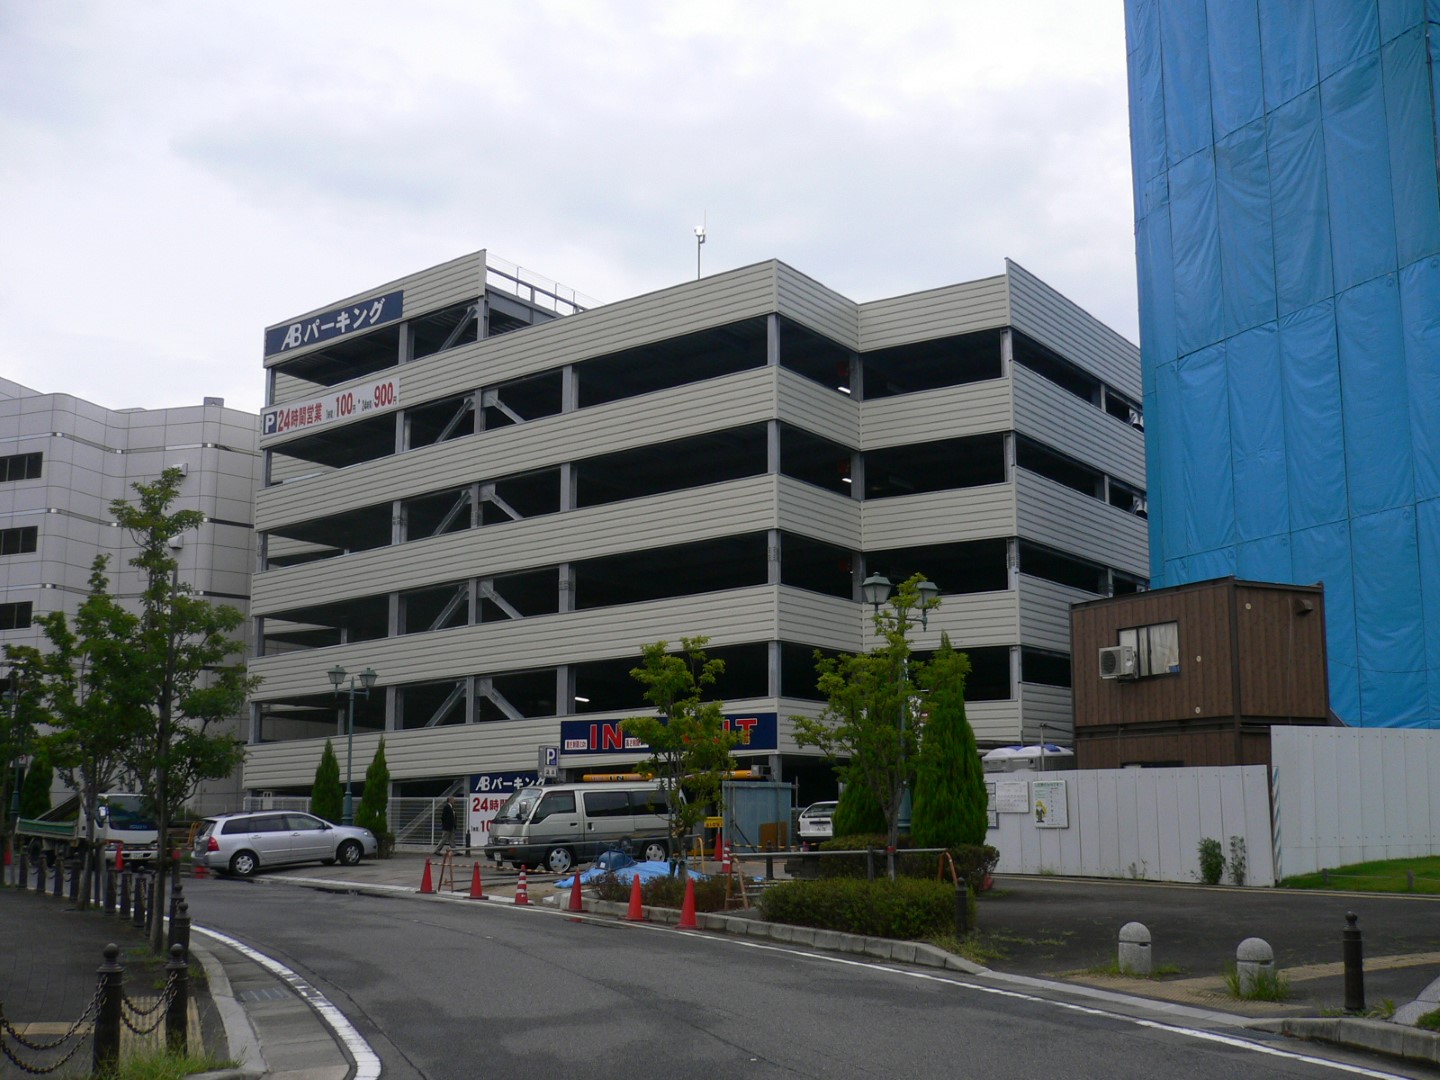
987, 946
1383, 1011
159, 1065
1113, 970
1419, 875
1269, 986
1430, 1021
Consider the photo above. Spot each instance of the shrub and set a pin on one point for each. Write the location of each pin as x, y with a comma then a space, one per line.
973, 862
666, 892
327, 796
905, 908
1237, 860
1212, 861
373, 813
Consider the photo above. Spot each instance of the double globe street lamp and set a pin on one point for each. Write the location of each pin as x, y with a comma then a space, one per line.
366, 679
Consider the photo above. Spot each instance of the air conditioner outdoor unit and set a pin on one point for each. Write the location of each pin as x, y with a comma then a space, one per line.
1117, 662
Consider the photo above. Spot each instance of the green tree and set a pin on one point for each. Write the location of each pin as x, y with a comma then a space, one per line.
689, 741
374, 811
177, 667
35, 790
327, 796
858, 812
867, 723
949, 798
84, 687
17, 740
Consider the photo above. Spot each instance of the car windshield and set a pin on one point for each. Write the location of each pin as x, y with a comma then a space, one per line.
127, 812
516, 809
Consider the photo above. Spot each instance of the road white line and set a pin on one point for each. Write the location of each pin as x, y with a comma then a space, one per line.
1088, 1010
367, 1062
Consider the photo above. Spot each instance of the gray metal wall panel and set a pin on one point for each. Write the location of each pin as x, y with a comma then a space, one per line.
1062, 518
1048, 705
973, 409
995, 723
678, 517
825, 622
823, 310
818, 409
1045, 612
1059, 419
817, 513
937, 517
727, 618
973, 620
934, 313
677, 413
684, 309
438, 287
1043, 314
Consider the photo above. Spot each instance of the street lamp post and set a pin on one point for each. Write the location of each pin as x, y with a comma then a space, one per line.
366, 679
876, 590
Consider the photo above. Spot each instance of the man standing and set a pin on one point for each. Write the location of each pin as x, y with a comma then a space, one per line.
447, 825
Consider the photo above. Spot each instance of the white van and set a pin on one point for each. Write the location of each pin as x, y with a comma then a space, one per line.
560, 825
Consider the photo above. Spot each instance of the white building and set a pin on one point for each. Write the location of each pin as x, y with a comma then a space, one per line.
63, 460
493, 497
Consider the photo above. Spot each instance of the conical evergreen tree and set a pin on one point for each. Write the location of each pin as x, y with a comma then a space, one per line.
374, 810
858, 812
327, 797
949, 801
35, 790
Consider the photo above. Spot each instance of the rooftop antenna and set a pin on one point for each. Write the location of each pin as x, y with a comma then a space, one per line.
699, 242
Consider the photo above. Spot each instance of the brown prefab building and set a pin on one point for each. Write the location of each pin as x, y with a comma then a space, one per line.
1196, 674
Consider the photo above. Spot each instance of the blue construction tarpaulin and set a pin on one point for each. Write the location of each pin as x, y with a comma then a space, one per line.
1287, 224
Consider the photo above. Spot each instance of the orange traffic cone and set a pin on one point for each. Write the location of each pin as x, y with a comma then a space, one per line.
725, 861
719, 844
425, 884
120, 858
522, 892
576, 903
637, 901
7, 854
687, 909
475, 893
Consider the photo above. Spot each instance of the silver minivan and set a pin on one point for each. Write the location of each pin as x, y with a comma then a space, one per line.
240, 844
560, 825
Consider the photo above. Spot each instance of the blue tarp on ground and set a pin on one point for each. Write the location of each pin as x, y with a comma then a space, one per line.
645, 871
1287, 233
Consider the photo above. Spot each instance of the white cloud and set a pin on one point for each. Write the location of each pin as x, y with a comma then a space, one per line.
173, 176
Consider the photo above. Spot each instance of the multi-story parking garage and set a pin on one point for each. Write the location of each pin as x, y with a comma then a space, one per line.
493, 496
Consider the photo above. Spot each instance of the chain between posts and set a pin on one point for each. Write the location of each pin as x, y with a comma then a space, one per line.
7, 1031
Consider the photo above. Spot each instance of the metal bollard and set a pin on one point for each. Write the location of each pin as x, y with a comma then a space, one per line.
59, 886
107, 1017
73, 864
1352, 949
23, 864
125, 892
139, 919
180, 927
177, 892
177, 1018
40, 874
962, 909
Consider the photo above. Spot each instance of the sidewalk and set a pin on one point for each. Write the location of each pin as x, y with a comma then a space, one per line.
1062, 932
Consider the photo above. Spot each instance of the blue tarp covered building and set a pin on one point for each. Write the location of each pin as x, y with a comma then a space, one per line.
1287, 226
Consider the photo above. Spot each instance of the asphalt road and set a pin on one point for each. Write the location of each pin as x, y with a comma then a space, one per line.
479, 991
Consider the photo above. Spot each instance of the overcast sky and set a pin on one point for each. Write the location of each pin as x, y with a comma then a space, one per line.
175, 176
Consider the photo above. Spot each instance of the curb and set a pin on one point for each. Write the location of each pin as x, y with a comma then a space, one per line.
1378, 1036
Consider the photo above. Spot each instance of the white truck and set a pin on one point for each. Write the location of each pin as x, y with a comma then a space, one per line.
121, 821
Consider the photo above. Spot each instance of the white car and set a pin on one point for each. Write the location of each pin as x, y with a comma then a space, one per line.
240, 844
814, 824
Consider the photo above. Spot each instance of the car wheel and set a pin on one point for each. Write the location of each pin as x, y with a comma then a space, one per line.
559, 860
349, 853
656, 851
243, 863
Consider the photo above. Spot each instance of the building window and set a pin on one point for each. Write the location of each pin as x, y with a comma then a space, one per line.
15, 616
20, 467
18, 541
1157, 648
